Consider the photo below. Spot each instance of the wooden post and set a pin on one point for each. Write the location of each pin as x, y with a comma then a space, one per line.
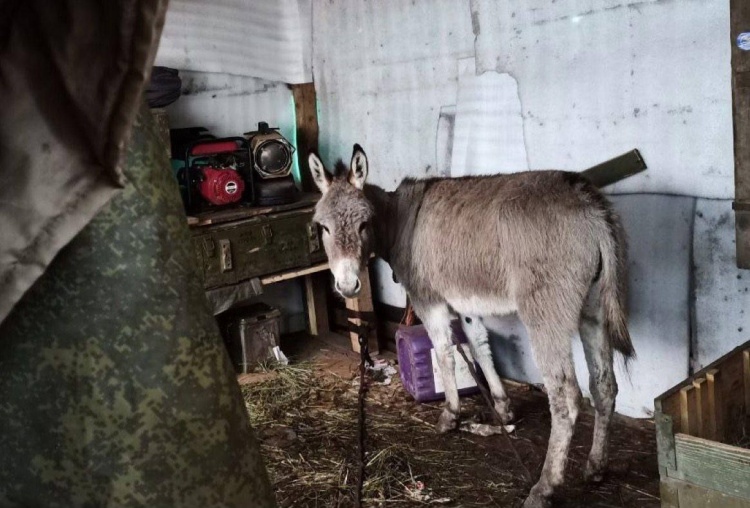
363, 303
739, 24
703, 410
317, 304
714, 405
688, 411
306, 109
746, 378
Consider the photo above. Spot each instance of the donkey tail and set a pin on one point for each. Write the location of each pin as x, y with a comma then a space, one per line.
614, 286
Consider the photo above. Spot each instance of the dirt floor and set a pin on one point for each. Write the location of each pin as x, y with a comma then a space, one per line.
306, 418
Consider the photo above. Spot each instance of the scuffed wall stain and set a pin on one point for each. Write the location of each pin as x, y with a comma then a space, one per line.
722, 291
197, 83
636, 5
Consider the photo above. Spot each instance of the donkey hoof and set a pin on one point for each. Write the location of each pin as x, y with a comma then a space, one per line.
447, 422
505, 412
536, 501
593, 473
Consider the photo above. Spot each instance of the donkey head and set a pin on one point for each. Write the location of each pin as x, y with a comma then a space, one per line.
345, 215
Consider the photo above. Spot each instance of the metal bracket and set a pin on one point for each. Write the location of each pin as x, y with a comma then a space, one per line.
267, 233
313, 237
226, 255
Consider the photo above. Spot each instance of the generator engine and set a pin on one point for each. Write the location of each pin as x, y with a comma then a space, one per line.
220, 186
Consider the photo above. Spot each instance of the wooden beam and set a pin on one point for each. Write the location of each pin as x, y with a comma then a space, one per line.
306, 110
740, 23
292, 274
614, 170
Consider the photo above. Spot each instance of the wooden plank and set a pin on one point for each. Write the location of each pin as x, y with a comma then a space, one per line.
293, 274
739, 23
614, 170
239, 212
713, 378
665, 443
713, 465
679, 494
669, 493
688, 411
306, 111
701, 406
363, 303
317, 303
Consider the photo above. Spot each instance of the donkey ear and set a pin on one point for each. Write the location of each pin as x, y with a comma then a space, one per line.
358, 169
319, 174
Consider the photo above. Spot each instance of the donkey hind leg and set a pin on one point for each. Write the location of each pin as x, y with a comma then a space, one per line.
554, 357
437, 322
602, 382
480, 348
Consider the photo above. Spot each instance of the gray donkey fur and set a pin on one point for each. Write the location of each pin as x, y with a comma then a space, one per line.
544, 244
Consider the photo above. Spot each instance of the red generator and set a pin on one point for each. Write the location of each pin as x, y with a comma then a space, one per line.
218, 173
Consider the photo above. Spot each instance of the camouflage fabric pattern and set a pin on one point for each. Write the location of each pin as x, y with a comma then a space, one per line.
115, 387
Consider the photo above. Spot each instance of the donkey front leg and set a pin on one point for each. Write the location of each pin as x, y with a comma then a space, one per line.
480, 348
437, 322
554, 356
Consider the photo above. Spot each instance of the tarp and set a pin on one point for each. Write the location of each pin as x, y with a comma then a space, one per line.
115, 386
71, 76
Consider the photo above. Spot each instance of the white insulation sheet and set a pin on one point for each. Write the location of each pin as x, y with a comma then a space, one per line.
258, 38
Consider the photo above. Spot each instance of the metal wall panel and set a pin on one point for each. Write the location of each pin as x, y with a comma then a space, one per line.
595, 79
722, 291
659, 230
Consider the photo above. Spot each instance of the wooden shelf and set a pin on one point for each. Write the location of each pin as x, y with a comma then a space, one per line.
240, 212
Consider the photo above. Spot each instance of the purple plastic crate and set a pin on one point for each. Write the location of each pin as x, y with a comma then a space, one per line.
415, 363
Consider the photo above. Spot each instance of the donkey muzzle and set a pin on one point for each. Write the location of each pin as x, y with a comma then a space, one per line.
351, 291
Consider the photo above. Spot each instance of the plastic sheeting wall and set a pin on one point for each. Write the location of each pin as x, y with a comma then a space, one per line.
258, 38
592, 79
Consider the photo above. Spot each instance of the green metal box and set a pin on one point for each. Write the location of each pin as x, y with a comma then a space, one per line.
257, 246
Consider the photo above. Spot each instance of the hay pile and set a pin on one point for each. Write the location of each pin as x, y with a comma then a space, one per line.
306, 421
307, 425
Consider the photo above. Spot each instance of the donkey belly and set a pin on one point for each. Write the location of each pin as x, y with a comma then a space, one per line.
482, 305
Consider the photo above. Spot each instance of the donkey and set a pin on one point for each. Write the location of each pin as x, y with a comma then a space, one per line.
544, 244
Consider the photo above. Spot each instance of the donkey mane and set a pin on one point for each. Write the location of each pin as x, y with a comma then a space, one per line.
340, 169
